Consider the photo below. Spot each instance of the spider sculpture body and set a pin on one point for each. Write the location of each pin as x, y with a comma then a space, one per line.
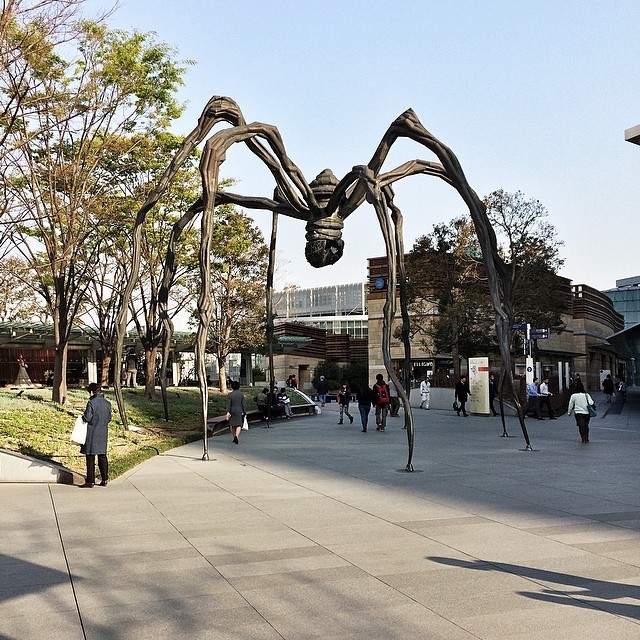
324, 204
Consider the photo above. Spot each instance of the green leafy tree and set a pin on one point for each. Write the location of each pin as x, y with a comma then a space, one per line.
331, 371
55, 171
530, 247
149, 315
239, 258
449, 298
356, 374
30, 33
138, 168
448, 295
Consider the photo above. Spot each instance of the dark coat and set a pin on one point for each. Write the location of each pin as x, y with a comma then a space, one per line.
344, 396
323, 387
235, 406
97, 415
462, 391
262, 400
365, 397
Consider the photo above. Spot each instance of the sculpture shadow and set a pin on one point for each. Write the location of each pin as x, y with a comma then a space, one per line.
573, 590
19, 577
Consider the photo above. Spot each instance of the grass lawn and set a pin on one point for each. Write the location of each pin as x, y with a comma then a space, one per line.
34, 425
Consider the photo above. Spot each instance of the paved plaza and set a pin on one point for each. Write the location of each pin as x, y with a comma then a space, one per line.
310, 529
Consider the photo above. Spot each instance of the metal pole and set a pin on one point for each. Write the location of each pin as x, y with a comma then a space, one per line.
269, 307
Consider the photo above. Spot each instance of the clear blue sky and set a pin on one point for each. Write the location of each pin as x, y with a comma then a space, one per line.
532, 96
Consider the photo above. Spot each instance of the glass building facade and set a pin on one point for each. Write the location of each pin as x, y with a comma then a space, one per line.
337, 308
626, 299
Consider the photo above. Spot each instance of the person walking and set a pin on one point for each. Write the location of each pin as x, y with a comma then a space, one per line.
622, 389
97, 415
579, 404
545, 399
322, 389
462, 394
235, 410
493, 392
607, 387
344, 396
365, 399
533, 399
394, 400
425, 392
381, 400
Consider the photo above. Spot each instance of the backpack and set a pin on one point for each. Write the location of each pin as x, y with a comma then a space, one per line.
383, 393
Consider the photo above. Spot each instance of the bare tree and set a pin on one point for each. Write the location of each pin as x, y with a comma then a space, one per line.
18, 302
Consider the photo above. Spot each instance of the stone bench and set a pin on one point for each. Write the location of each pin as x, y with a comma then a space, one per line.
219, 424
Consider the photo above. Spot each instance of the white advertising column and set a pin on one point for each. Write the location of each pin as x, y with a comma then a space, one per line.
479, 385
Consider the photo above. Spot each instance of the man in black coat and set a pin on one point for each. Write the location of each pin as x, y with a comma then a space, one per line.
322, 389
462, 395
97, 415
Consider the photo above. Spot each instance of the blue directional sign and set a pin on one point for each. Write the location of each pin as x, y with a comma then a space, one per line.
519, 326
539, 334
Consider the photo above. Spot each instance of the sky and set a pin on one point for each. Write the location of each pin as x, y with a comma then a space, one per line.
532, 96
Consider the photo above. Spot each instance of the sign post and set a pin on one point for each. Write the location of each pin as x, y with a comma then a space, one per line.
479, 385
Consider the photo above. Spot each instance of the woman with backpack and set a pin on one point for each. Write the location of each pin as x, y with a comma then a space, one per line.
381, 399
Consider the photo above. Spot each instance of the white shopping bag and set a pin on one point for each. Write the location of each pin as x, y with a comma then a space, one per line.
245, 424
79, 433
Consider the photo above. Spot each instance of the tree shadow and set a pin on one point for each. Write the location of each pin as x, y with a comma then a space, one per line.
578, 591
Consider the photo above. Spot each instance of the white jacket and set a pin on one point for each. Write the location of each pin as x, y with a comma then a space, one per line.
578, 403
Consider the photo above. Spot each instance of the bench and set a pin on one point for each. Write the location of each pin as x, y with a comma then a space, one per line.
217, 425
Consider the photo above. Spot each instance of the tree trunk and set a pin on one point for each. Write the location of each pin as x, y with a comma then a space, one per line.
222, 371
104, 373
60, 336
59, 391
150, 373
455, 354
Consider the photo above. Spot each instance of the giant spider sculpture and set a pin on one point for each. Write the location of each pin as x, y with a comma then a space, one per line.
323, 204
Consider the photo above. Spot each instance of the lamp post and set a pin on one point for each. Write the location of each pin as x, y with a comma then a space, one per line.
633, 135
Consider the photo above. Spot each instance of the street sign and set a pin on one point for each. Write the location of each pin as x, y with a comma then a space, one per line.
539, 334
519, 326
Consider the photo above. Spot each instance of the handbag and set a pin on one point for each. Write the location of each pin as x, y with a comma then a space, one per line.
455, 406
591, 407
79, 433
245, 424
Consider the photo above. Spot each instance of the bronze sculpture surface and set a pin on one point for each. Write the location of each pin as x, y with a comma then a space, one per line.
324, 204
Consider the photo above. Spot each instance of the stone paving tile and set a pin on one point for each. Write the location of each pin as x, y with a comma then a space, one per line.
196, 618
24, 600
312, 531
295, 578
52, 625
